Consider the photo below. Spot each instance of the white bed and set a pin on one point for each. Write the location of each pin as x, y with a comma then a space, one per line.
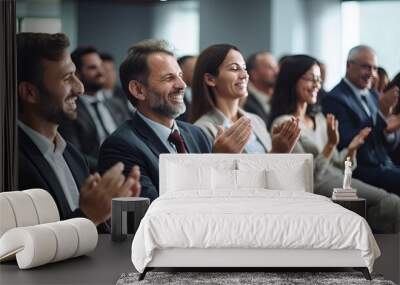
219, 210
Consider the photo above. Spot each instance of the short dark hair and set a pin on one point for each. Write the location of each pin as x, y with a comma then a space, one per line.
32, 48
251, 61
135, 66
284, 100
79, 53
183, 59
208, 61
106, 56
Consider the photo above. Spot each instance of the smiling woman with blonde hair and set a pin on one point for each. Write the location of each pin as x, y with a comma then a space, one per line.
219, 82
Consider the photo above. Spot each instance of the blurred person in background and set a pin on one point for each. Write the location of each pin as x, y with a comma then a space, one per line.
187, 64
380, 82
262, 68
98, 116
110, 88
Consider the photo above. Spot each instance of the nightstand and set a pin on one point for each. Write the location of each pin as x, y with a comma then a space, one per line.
358, 206
127, 212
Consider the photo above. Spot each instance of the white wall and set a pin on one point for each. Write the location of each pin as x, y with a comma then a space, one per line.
309, 27
380, 28
178, 23
245, 24
324, 37
288, 27
63, 10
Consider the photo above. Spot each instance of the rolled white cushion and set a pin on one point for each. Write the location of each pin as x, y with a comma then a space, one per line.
37, 245
46, 208
87, 235
33, 246
23, 208
7, 217
66, 238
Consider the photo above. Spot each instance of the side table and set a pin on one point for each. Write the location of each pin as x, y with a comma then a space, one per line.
358, 206
127, 212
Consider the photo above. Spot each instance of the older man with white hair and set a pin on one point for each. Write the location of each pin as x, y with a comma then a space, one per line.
357, 106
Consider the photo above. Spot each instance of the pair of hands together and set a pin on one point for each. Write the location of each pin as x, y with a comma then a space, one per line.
334, 137
234, 139
387, 103
97, 191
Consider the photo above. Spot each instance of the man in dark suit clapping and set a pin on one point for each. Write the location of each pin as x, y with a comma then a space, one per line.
47, 92
357, 106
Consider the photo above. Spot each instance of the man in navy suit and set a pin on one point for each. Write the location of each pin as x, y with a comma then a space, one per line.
152, 80
357, 106
47, 91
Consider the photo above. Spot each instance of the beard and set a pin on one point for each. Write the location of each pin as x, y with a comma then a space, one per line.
53, 111
270, 83
93, 85
165, 108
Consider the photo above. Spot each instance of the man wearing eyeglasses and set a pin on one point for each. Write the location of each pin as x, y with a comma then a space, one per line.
357, 106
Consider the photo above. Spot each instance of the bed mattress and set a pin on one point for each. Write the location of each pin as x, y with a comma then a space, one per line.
250, 219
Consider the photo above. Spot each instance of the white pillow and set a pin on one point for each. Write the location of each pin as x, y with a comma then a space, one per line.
291, 179
251, 178
224, 179
188, 177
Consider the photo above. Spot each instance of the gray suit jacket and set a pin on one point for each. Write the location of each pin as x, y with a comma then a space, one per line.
209, 122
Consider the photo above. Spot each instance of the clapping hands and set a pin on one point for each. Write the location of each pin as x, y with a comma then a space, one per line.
388, 100
233, 139
333, 130
285, 136
97, 191
356, 142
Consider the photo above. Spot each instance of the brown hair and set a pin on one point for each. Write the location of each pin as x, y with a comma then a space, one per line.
32, 48
208, 61
135, 65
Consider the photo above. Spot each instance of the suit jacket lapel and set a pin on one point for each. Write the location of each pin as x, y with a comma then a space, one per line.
148, 135
353, 102
76, 169
84, 115
188, 139
45, 170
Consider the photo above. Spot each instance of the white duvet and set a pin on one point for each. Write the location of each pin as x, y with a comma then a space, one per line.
254, 218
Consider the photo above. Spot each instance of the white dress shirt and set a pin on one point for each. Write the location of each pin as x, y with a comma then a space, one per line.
53, 153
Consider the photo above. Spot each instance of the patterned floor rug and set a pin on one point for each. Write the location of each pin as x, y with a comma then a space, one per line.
244, 278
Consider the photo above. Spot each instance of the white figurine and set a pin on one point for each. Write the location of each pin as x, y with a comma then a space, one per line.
347, 174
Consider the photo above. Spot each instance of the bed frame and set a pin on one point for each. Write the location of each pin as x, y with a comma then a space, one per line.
242, 259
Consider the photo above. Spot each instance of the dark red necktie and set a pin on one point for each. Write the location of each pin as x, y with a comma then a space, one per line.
177, 140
